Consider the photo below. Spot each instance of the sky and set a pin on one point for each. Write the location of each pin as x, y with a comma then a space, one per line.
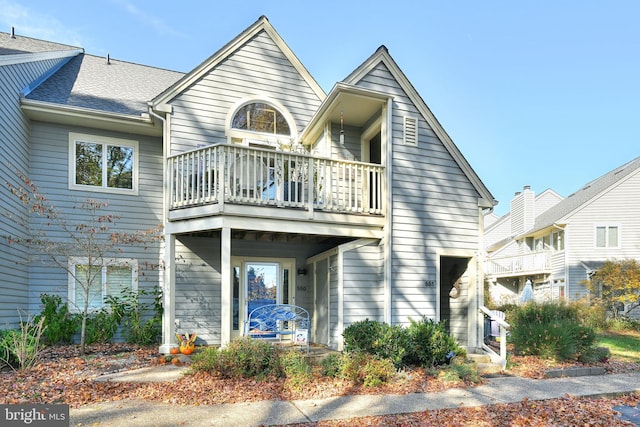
542, 93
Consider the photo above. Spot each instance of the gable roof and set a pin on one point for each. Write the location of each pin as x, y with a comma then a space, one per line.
92, 82
381, 55
583, 196
11, 44
262, 24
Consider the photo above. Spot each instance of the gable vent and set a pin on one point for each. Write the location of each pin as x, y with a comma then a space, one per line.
411, 131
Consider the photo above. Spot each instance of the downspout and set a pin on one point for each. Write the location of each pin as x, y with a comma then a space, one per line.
166, 280
388, 229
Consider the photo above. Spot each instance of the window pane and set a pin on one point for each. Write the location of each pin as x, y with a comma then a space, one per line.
118, 279
601, 237
260, 117
88, 163
613, 237
561, 241
119, 167
88, 281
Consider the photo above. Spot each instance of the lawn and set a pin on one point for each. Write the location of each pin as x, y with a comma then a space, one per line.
624, 345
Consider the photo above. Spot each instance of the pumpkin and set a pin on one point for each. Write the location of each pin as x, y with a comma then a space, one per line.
175, 361
174, 350
187, 347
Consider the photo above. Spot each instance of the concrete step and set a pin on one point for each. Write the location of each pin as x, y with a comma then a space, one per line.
483, 364
479, 357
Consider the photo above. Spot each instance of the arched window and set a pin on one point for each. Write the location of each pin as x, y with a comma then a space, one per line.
260, 117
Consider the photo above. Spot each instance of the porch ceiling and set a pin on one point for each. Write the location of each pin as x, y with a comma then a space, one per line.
281, 237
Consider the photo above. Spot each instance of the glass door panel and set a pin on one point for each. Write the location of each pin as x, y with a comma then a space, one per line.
262, 284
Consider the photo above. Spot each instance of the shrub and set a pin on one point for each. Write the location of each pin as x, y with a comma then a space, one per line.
591, 315
550, 330
241, 358
331, 365
102, 326
623, 324
137, 327
296, 368
379, 339
430, 344
59, 323
21, 347
461, 372
425, 343
205, 360
595, 354
366, 369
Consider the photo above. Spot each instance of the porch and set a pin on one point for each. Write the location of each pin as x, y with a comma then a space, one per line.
202, 181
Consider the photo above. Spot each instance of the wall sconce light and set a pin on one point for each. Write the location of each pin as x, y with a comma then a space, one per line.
302, 272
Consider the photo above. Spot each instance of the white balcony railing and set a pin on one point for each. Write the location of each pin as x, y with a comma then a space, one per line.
538, 262
237, 174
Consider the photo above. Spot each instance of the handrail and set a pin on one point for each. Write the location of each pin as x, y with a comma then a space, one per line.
518, 264
503, 332
231, 173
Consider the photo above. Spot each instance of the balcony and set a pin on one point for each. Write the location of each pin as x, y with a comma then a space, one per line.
222, 174
519, 265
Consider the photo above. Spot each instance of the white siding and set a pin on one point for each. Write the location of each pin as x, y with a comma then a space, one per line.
620, 205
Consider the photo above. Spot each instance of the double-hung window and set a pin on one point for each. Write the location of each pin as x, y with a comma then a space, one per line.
101, 163
98, 281
607, 236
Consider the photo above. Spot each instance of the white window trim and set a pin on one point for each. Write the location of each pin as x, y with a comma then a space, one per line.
265, 138
73, 137
73, 261
607, 226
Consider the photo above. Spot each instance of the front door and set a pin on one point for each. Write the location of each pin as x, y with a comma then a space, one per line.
258, 281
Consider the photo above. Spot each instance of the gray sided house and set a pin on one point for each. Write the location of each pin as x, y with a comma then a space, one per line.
354, 204
556, 242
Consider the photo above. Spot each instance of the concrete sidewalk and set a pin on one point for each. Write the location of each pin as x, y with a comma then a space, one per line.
495, 390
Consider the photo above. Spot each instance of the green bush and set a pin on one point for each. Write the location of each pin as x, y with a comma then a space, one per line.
595, 354
296, 368
138, 328
379, 339
60, 324
102, 326
424, 343
205, 360
623, 324
366, 369
461, 372
550, 330
20, 348
591, 315
331, 365
241, 358
430, 344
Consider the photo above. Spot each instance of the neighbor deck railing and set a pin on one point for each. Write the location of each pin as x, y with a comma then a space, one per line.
520, 264
226, 173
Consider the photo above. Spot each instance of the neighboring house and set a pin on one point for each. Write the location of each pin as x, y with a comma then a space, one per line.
354, 204
557, 243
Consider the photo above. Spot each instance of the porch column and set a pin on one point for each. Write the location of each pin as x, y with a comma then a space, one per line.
168, 295
226, 302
